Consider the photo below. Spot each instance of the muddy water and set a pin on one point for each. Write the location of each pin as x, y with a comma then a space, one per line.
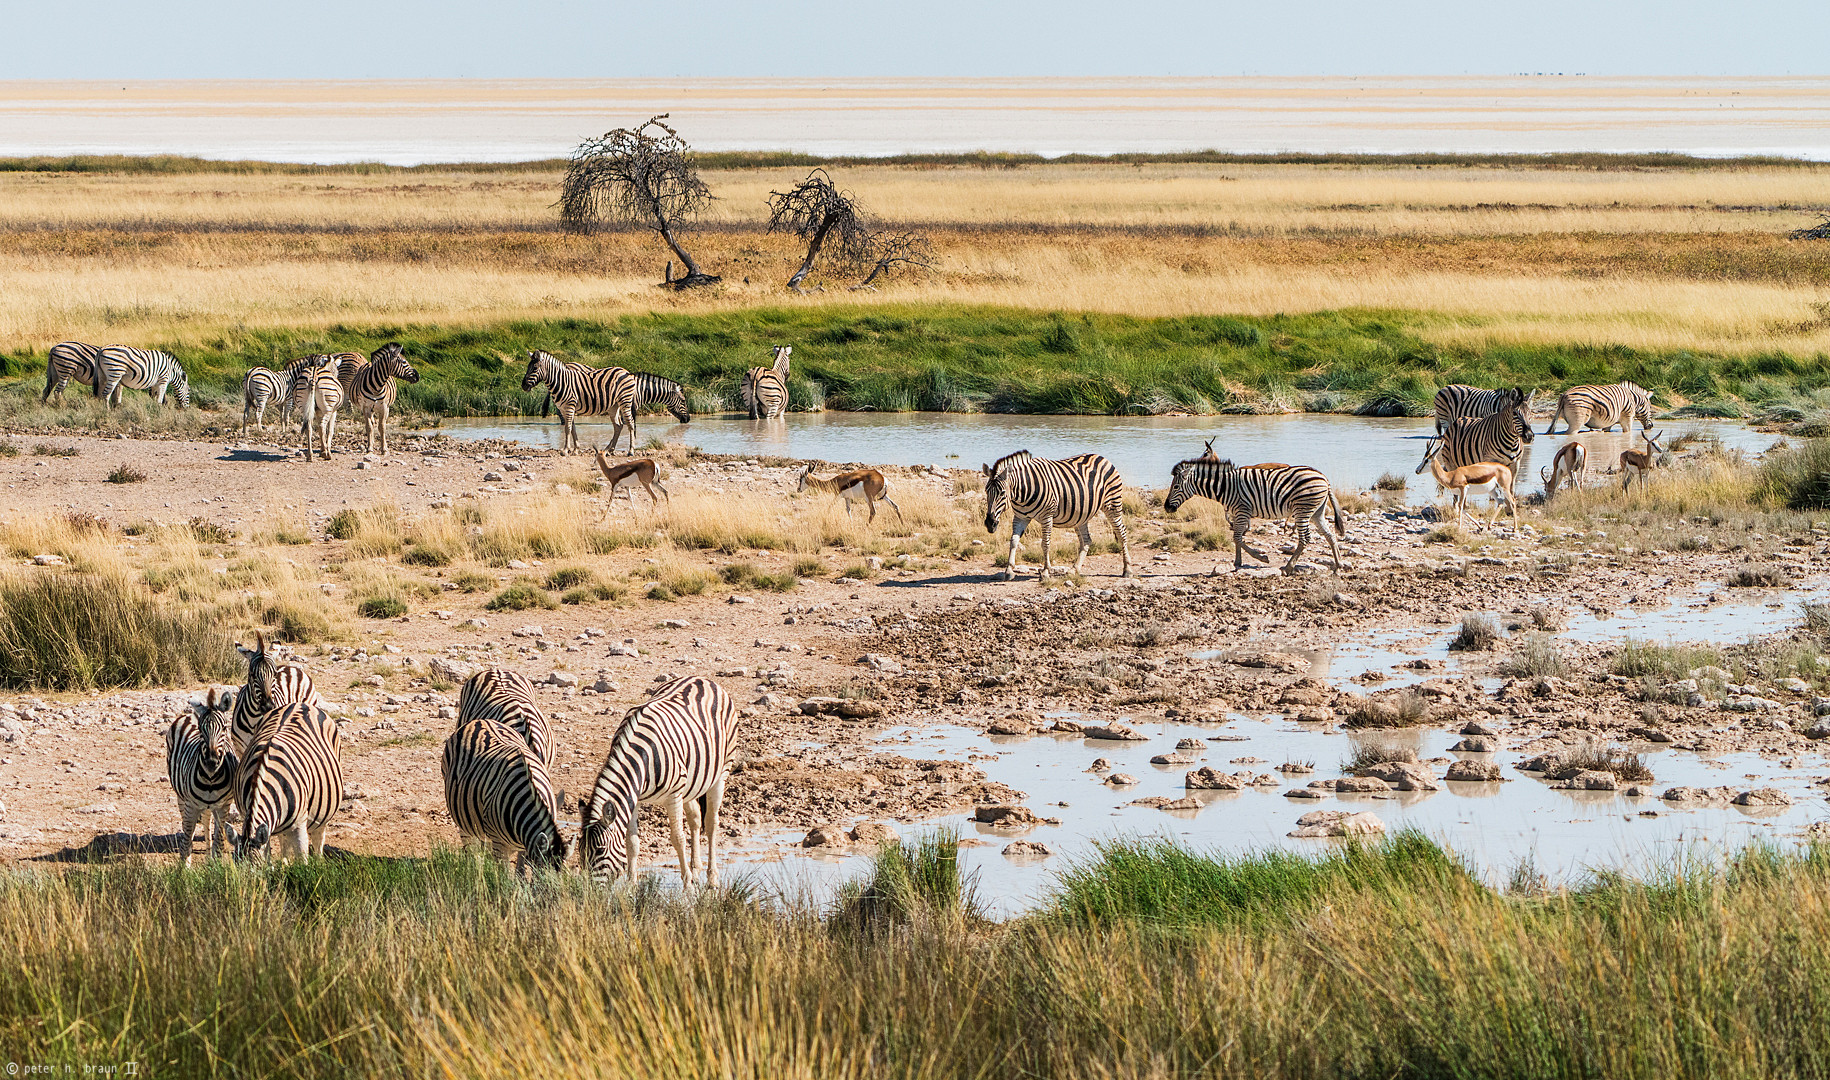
1354, 451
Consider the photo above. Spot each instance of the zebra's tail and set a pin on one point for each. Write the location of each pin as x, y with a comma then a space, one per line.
1340, 524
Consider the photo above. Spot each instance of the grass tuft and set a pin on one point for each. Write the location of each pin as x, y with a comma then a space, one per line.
520, 596
126, 474
67, 631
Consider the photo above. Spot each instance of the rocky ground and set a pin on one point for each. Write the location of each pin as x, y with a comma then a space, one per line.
823, 671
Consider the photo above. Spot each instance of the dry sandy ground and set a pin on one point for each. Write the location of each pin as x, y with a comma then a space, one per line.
84, 773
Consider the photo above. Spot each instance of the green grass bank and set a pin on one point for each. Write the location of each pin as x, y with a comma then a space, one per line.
983, 359
1379, 961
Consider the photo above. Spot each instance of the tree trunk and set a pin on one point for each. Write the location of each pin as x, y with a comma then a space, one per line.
866, 283
813, 252
694, 275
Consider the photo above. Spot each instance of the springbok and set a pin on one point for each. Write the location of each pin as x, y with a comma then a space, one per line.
1490, 477
1572, 459
1211, 456
630, 473
1637, 463
858, 485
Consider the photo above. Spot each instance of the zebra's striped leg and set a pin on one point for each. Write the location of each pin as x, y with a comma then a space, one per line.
1240, 523
1085, 535
187, 835
1117, 517
714, 800
691, 810
1017, 525
675, 811
1048, 548
1322, 527
219, 829
1302, 541
630, 849
317, 841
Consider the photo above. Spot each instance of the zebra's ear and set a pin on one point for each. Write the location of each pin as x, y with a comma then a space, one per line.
985, 469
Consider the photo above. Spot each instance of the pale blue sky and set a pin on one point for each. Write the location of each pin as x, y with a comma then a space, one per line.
825, 38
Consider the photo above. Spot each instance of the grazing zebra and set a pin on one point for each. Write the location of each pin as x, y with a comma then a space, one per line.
674, 748
765, 390
290, 782
70, 360
371, 389
651, 390
271, 684
319, 394
498, 791
1601, 407
1456, 401
507, 698
150, 370
201, 767
1500, 439
578, 390
1295, 492
1067, 493
260, 387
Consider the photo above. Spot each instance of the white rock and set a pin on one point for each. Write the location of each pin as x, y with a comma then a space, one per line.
48, 560
1337, 823
562, 678
675, 624
528, 631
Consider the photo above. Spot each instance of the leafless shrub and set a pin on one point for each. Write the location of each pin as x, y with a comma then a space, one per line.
643, 176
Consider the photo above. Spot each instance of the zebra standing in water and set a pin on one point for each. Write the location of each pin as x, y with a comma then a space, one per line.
1067, 493
150, 370
201, 768
1290, 492
271, 684
1457, 400
260, 387
371, 389
1500, 439
578, 390
319, 395
498, 791
765, 390
507, 698
70, 360
1601, 407
674, 748
290, 784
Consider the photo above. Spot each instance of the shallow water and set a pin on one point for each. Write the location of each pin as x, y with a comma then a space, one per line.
1353, 450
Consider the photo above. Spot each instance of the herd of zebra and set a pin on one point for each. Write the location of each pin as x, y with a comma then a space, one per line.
273, 752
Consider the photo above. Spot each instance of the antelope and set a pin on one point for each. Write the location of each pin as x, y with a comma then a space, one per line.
1486, 476
630, 473
1637, 463
1209, 455
865, 485
1572, 459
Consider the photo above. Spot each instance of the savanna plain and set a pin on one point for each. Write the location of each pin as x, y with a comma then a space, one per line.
142, 541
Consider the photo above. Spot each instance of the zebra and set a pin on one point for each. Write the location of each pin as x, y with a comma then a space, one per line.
290, 377
371, 389
1601, 407
1500, 439
260, 387
652, 390
291, 781
1067, 493
1295, 492
675, 749
498, 791
119, 366
507, 698
578, 390
70, 360
349, 364
1458, 400
201, 766
271, 684
319, 395
765, 390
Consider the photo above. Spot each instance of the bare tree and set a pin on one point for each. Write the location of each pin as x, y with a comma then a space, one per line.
644, 176
817, 211
886, 251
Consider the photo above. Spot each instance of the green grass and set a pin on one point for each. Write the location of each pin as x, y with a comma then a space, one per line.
747, 576
520, 597
381, 607
977, 358
65, 631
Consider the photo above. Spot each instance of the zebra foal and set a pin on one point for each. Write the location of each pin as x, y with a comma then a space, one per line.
1599, 408
499, 792
507, 697
1069, 493
119, 366
765, 390
1295, 492
673, 749
272, 683
319, 395
200, 766
290, 784
1457, 400
577, 390
70, 360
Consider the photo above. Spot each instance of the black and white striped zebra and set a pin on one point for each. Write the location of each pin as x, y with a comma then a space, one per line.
291, 376
1069, 493
765, 390
318, 395
371, 389
674, 749
290, 783
1457, 400
653, 390
1599, 408
200, 764
578, 390
1287, 492
507, 697
261, 387
272, 682
1499, 439
499, 792
70, 360
121, 366
349, 364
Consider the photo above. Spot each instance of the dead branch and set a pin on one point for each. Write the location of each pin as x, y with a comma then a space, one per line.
890, 250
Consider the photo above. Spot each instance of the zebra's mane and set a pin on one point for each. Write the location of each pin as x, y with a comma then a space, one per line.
1020, 455
1224, 465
